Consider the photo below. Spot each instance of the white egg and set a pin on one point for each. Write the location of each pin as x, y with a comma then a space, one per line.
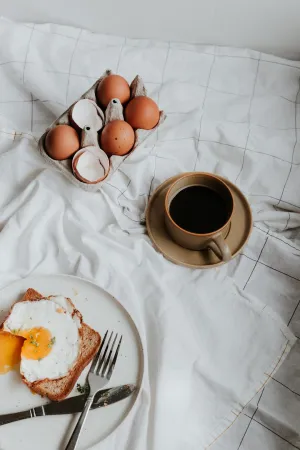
59, 317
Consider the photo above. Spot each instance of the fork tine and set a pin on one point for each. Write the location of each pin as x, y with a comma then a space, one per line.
113, 363
104, 354
108, 358
96, 358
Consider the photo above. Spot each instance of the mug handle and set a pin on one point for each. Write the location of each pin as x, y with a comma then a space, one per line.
220, 247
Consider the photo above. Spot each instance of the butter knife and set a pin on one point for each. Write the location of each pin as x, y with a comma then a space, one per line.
72, 405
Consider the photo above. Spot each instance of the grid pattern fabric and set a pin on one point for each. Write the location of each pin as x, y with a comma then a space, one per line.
233, 112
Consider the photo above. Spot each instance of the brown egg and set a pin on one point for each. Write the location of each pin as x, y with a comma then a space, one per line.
113, 86
62, 142
142, 112
117, 138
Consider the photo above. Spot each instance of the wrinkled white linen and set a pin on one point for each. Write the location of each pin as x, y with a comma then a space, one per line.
209, 345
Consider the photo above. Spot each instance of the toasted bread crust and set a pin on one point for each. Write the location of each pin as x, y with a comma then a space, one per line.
30, 295
60, 388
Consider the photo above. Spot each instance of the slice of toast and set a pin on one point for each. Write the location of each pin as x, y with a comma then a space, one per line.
59, 388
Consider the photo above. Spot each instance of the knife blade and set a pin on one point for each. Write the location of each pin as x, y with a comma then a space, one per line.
72, 405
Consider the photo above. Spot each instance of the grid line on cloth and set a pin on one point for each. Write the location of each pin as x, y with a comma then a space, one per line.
120, 55
249, 118
243, 148
71, 61
162, 80
294, 310
23, 77
123, 208
203, 105
287, 243
73, 74
154, 171
263, 389
244, 154
31, 122
296, 140
270, 196
272, 431
248, 257
273, 236
284, 385
279, 271
267, 237
73, 38
223, 120
12, 62
27, 51
288, 203
251, 418
55, 34
281, 64
287, 222
270, 267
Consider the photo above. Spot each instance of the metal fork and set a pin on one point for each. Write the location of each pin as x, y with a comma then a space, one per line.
99, 375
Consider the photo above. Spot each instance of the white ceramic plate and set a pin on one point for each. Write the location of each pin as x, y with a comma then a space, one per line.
101, 311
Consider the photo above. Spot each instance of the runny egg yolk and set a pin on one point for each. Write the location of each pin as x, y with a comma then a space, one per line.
38, 343
10, 351
34, 344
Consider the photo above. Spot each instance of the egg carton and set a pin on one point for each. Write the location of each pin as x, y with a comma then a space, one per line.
113, 111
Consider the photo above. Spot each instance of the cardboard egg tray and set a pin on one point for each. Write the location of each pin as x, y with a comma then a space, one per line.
137, 88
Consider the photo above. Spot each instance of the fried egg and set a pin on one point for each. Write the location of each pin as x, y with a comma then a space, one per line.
10, 351
46, 332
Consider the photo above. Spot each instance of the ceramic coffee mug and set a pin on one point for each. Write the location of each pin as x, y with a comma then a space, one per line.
215, 239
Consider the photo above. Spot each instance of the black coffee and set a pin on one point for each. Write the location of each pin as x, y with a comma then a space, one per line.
199, 209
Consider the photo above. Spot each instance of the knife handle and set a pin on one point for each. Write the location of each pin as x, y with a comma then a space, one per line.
8, 418
14, 417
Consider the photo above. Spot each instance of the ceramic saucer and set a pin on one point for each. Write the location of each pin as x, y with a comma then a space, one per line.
238, 235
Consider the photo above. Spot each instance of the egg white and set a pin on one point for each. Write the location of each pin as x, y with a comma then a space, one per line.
56, 316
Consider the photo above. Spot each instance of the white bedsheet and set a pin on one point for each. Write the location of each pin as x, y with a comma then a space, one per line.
209, 346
